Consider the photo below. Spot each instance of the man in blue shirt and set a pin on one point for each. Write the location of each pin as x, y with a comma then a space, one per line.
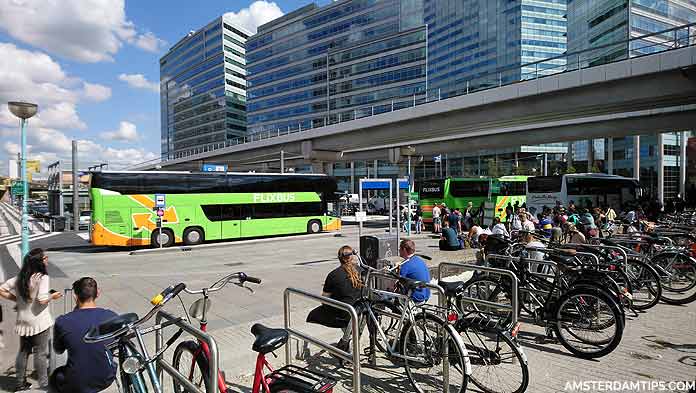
413, 267
90, 367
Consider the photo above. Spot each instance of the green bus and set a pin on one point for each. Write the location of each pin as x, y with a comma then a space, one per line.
482, 192
206, 206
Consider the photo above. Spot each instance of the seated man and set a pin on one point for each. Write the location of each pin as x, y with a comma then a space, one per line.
449, 240
414, 268
90, 367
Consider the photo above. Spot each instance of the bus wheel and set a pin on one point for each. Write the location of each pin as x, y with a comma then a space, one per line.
314, 226
193, 236
167, 238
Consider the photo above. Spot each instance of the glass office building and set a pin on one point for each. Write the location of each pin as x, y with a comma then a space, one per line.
609, 24
322, 65
203, 90
483, 43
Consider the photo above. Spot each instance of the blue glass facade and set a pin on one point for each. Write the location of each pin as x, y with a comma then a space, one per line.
594, 23
321, 65
203, 90
471, 41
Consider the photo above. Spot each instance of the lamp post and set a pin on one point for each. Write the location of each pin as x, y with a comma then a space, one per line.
24, 110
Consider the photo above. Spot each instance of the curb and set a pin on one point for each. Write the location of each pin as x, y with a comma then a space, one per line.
231, 243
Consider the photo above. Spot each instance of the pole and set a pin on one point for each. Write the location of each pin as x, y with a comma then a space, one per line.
636, 157
25, 191
660, 168
408, 196
282, 161
683, 140
610, 155
75, 189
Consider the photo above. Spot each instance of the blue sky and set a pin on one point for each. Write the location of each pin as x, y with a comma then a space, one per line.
92, 66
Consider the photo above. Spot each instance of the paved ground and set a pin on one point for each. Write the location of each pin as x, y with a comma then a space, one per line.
658, 345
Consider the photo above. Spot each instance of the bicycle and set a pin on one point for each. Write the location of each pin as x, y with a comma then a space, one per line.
191, 358
431, 350
135, 363
498, 362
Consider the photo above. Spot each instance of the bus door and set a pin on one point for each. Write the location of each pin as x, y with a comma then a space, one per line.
209, 218
231, 221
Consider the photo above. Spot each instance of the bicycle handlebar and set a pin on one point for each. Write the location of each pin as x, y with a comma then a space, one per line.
219, 284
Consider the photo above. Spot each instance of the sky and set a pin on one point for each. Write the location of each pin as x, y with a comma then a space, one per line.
92, 66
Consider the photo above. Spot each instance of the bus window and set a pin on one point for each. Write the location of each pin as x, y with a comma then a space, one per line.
511, 188
469, 188
544, 184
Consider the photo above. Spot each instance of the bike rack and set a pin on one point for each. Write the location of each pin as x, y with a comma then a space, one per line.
513, 307
162, 364
353, 358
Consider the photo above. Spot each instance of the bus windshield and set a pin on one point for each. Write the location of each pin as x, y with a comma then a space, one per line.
432, 189
544, 184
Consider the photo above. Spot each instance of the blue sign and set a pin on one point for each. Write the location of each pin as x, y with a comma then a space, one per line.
403, 184
160, 200
214, 168
375, 185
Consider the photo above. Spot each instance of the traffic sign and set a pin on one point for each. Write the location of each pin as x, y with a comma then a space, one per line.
214, 168
160, 200
160, 212
17, 189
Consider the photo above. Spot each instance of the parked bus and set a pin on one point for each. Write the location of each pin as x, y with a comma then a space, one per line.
584, 189
458, 192
206, 206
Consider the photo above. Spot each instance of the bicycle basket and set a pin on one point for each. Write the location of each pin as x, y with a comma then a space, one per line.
296, 379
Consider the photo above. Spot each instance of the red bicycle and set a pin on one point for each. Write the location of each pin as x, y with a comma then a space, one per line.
191, 358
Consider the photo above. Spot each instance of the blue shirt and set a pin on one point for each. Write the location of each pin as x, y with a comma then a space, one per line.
415, 268
90, 368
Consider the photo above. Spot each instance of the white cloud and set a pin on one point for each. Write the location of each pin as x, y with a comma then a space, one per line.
95, 92
149, 42
84, 30
49, 145
258, 13
126, 132
139, 81
35, 77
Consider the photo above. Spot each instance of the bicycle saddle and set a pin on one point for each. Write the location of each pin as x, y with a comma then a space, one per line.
113, 325
452, 288
267, 339
563, 256
411, 284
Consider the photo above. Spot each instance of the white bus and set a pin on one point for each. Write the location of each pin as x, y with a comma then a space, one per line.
596, 189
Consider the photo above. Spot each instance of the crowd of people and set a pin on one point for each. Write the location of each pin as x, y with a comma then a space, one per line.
569, 223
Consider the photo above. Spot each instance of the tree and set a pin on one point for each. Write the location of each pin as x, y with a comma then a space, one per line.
570, 169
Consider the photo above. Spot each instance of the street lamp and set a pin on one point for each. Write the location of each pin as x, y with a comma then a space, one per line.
24, 110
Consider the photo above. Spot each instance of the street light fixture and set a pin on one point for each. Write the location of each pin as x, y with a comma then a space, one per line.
24, 110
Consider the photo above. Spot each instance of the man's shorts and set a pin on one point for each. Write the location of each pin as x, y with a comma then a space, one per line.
436, 221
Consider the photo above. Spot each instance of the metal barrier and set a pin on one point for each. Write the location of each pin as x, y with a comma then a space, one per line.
513, 307
213, 365
601, 247
353, 358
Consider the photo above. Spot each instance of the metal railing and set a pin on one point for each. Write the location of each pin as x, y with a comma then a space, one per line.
670, 39
514, 301
214, 359
353, 357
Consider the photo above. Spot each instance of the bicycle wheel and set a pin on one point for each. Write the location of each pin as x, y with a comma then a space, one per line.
190, 362
677, 277
588, 322
645, 282
489, 289
498, 364
434, 355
